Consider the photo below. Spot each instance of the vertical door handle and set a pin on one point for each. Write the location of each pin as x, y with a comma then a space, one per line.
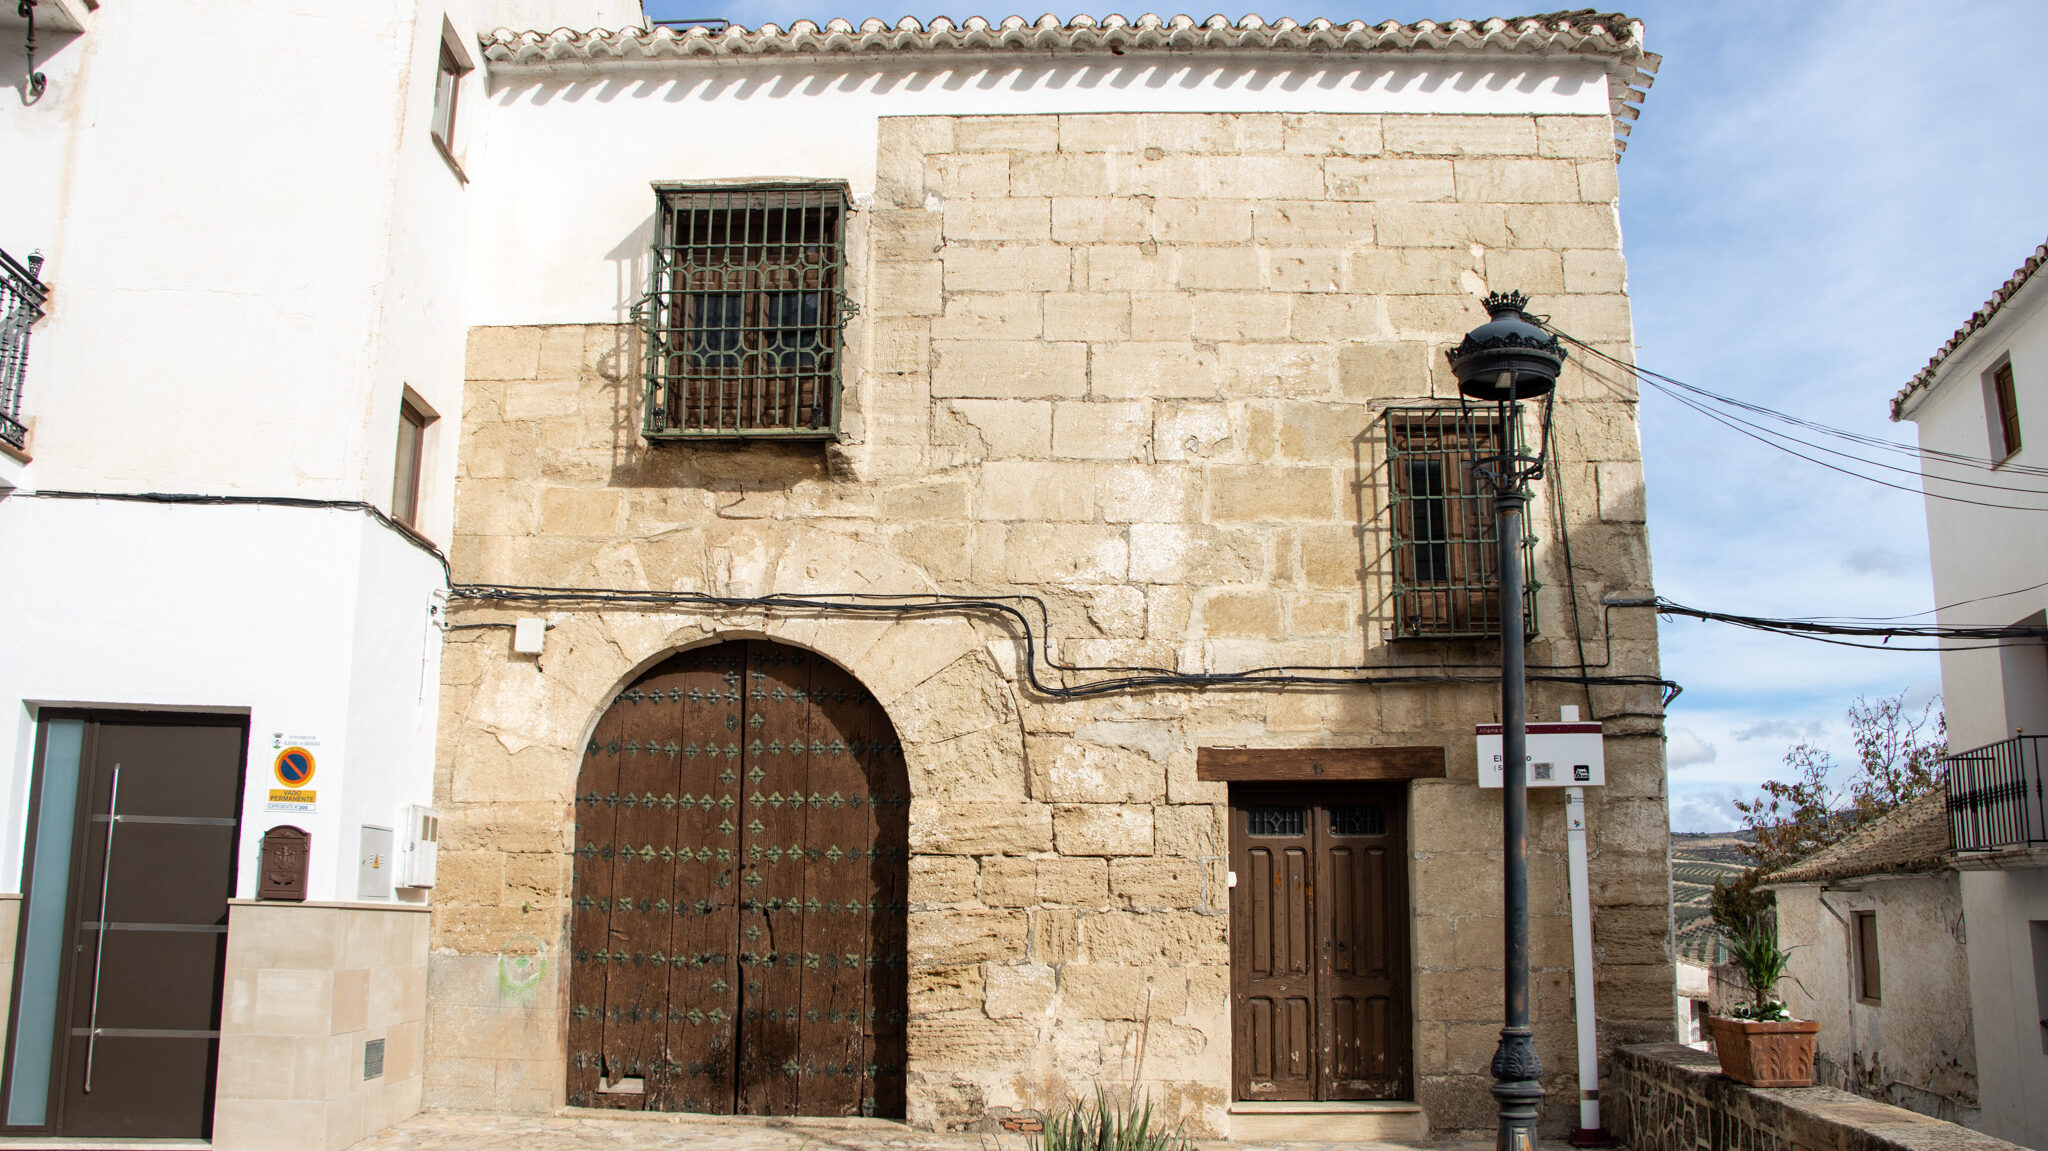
99, 950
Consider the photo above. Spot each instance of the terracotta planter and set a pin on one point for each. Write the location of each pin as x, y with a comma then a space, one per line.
1765, 1054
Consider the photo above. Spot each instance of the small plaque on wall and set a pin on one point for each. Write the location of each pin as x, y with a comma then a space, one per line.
282, 872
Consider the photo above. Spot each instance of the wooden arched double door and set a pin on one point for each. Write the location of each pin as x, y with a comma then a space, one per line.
737, 938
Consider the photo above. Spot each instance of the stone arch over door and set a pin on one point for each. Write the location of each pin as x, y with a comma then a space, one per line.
738, 909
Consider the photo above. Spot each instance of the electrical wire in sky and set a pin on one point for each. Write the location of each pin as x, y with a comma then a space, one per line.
1771, 438
1847, 634
1934, 610
1913, 450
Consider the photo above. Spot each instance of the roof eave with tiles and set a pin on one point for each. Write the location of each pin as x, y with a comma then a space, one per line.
1978, 319
1615, 40
1911, 839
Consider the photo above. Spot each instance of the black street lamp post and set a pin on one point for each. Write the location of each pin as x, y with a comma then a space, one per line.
1504, 361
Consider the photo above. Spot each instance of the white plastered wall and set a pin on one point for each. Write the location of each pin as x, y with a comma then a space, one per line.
1980, 552
152, 590
563, 167
2000, 907
1914, 1046
242, 288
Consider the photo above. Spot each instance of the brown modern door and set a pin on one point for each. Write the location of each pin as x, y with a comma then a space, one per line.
115, 1028
738, 922
1319, 943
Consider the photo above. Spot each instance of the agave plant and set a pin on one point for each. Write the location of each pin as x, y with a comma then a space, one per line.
1755, 952
1102, 1124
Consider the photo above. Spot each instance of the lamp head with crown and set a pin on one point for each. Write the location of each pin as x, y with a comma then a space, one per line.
1508, 357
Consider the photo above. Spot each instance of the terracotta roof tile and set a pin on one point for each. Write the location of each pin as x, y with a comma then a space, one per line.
1611, 37
1977, 320
1912, 838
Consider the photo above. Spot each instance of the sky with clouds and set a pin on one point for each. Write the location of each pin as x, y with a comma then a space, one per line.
1816, 195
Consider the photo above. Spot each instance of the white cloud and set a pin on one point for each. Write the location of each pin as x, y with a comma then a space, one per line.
1781, 730
1682, 748
1705, 808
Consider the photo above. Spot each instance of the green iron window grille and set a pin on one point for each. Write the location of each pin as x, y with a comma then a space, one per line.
745, 312
1446, 558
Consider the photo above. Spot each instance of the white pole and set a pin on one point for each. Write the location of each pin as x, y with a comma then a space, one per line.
1582, 956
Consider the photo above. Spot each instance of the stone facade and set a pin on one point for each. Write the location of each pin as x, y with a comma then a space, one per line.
1133, 365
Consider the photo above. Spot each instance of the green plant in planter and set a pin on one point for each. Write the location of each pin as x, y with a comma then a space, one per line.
1754, 950
1102, 1124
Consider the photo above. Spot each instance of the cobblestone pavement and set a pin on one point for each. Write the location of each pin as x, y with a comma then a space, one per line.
482, 1131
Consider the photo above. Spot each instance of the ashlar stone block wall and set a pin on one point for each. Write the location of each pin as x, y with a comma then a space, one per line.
1133, 365
308, 988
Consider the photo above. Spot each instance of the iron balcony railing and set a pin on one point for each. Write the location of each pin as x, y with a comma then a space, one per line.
1995, 796
21, 304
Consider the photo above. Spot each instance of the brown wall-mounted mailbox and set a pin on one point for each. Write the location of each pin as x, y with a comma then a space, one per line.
282, 874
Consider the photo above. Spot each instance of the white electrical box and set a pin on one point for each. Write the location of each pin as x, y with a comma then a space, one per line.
1559, 755
373, 864
529, 635
419, 847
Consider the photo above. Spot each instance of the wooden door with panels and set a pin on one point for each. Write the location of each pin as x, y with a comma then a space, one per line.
737, 931
1319, 921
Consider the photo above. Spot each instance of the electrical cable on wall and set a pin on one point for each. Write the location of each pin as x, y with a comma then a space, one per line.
373, 511
1005, 607
1845, 631
1121, 679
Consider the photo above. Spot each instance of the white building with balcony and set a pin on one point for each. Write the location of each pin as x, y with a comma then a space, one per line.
1981, 406
230, 340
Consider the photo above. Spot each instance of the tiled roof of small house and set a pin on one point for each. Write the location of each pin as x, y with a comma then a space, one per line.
1612, 37
1912, 838
1976, 322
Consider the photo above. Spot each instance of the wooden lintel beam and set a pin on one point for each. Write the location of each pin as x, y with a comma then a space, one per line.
1293, 764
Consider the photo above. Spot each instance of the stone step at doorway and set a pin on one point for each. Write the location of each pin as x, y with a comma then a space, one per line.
1297, 1122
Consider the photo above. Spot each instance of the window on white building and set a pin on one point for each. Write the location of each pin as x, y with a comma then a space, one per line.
2005, 411
412, 450
1869, 982
448, 72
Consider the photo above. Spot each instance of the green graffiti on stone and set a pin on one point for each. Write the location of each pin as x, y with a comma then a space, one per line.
518, 973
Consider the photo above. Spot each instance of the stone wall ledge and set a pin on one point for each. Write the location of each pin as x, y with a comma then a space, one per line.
1670, 1097
319, 905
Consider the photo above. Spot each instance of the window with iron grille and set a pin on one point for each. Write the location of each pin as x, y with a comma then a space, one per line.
1446, 559
746, 312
